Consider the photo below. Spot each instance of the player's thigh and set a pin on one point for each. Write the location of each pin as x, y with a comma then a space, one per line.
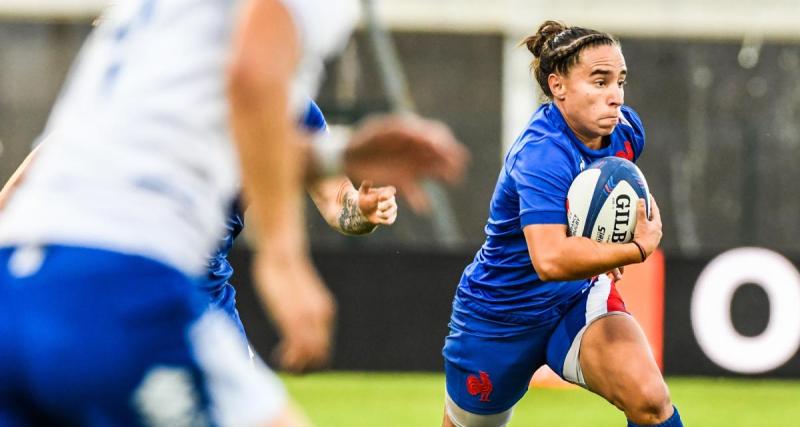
617, 364
564, 347
598, 345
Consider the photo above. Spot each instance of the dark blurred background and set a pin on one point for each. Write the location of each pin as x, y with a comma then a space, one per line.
723, 136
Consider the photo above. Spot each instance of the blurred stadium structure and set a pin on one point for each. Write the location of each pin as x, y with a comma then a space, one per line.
717, 84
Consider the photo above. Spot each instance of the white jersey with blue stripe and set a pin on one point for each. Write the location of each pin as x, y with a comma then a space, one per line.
137, 155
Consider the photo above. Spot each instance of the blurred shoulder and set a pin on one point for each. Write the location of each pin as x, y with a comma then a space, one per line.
324, 25
541, 152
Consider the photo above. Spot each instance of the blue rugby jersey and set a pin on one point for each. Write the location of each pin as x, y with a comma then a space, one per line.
219, 269
501, 281
312, 119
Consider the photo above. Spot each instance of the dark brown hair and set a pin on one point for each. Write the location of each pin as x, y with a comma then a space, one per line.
556, 48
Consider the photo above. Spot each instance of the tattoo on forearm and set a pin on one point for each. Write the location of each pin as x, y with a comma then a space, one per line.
351, 221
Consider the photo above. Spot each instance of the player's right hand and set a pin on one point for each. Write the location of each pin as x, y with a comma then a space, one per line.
648, 231
302, 307
377, 204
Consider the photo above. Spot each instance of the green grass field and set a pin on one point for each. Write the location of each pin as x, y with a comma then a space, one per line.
407, 399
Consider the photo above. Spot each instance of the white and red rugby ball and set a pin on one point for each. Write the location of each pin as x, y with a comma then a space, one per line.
602, 200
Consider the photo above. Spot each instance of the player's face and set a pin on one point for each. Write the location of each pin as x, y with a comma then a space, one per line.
593, 93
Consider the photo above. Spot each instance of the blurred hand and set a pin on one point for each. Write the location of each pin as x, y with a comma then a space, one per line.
648, 231
402, 150
301, 306
378, 205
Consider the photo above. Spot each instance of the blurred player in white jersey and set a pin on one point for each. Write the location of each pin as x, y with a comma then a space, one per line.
101, 323
346, 209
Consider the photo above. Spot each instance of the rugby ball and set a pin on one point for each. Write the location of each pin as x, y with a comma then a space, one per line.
602, 199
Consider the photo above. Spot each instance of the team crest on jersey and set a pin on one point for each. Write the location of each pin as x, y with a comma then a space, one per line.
627, 153
482, 386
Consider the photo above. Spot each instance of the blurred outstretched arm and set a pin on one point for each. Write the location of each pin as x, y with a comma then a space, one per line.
401, 150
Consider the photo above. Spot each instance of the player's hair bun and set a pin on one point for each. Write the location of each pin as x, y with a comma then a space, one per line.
547, 31
555, 48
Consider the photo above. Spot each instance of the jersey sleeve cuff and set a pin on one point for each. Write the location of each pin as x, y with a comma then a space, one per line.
543, 217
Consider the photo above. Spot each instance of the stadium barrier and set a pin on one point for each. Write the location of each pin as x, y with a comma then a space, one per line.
394, 307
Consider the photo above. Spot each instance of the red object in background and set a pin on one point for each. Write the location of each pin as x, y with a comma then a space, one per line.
642, 289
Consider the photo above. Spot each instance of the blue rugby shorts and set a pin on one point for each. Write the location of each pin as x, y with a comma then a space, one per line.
489, 363
97, 338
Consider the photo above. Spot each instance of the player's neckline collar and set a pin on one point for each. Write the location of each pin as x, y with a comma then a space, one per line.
555, 116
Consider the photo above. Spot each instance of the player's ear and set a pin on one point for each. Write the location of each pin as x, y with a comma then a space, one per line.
556, 84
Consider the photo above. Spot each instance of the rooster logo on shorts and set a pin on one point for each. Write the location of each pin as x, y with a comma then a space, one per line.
482, 385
